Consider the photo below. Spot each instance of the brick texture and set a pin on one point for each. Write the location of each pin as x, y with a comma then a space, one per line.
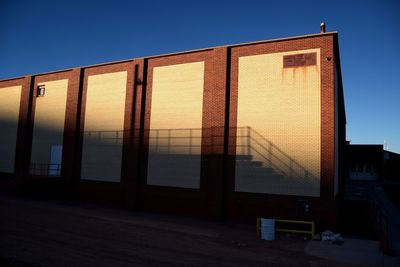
216, 198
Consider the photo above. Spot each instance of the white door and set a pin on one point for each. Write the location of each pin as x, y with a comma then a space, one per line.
55, 160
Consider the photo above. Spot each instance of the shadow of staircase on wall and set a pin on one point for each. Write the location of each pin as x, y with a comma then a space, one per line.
263, 167
260, 164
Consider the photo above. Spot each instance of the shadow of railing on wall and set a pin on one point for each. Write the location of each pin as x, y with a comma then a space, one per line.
188, 141
109, 136
45, 169
250, 143
271, 155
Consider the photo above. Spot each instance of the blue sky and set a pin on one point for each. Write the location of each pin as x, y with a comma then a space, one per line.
39, 36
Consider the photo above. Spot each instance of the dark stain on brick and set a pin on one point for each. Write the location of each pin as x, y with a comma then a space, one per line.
300, 60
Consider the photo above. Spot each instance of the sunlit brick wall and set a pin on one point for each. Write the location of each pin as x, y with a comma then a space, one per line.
278, 143
9, 114
175, 125
104, 125
49, 120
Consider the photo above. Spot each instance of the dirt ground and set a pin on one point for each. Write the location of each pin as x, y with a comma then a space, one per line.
40, 233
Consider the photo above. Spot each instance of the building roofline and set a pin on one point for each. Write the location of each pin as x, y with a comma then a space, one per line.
177, 53
360, 145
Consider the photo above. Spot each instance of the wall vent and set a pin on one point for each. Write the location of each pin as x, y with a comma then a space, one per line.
41, 91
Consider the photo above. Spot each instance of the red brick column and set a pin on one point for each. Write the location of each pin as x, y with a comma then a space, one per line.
131, 149
214, 116
71, 129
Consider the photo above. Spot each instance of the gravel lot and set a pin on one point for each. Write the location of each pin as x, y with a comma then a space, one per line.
40, 233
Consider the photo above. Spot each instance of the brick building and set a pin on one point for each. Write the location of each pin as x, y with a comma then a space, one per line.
232, 132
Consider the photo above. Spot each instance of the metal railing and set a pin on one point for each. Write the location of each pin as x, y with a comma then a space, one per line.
380, 221
290, 227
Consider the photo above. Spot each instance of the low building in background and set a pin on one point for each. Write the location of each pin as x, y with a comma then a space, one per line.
365, 162
372, 163
391, 167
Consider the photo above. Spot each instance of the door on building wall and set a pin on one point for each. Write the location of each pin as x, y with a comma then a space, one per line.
55, 160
